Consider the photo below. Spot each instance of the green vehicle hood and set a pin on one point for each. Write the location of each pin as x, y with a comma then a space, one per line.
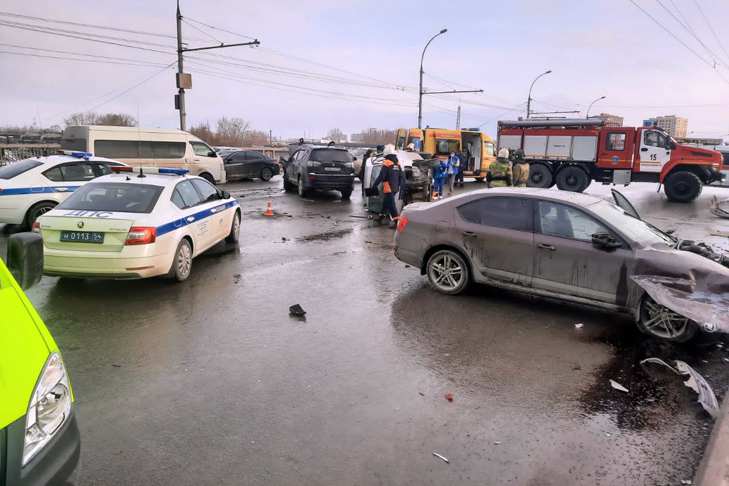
25, 345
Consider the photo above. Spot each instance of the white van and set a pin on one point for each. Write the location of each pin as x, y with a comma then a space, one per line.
147, 147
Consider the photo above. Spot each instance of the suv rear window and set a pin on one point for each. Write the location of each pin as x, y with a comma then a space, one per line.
111, 196
16, 168
330, 155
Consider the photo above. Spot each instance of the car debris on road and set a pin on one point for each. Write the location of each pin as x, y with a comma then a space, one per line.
695, 381
443, 458
618, 386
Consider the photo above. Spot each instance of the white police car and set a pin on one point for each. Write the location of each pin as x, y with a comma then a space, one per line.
31, 187
137, 225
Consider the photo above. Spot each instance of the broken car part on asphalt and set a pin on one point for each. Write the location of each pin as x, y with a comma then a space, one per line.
445, 459
695, 381
618, 386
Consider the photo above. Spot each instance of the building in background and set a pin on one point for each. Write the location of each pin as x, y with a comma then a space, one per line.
675, 126
610, 120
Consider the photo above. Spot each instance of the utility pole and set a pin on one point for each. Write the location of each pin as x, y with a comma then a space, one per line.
184, 80
270, 137
458, 118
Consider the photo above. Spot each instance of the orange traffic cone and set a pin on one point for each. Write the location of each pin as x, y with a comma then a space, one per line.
269, 210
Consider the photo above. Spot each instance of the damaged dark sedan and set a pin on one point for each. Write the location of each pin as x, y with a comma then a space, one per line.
572, 247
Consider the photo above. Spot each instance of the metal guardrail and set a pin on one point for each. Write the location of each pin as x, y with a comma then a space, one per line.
18, 151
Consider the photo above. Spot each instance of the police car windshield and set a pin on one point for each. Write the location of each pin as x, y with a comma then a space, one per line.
16, 168
330, 155
114, 196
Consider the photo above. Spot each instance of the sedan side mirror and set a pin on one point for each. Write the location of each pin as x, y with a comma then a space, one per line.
25, 258
606, 241
224, 195
212, 153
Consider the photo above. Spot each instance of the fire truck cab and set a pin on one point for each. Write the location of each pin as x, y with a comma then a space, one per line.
573, 152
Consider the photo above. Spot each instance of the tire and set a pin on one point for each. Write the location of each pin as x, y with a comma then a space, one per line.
452, 283
300, 187
288, 186
480, 180
662, 323
36, 211
682, 186
234, 234
540, 176
346, 194
572, 178
182, 263
208, 178
266, 174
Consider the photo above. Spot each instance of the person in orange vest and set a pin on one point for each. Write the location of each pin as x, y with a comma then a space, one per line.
391, 177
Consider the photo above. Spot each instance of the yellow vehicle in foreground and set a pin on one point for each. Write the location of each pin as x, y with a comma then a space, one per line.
477, 148
39, 437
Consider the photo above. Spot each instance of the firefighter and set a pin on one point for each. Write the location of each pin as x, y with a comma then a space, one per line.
519, 168
500, 169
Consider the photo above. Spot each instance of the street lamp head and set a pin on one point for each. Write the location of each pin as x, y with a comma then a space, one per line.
548, 72
443, 31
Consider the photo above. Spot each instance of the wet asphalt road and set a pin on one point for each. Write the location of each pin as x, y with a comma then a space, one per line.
211, 381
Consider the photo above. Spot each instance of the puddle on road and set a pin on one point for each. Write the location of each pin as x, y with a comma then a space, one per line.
328, 235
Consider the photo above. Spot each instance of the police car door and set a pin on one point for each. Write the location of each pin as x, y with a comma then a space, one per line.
216, 217
192, 203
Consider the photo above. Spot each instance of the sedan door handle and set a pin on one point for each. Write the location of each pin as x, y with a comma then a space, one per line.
644, 149
545, 246
469, 233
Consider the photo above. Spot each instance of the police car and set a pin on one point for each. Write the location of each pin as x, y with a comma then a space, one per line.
137, 224
31, 187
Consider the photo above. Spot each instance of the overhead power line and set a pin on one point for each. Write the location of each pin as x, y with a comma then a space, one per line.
669, 32
711, 28
65, 58
80, 37
83, 54
91, 26
219, 29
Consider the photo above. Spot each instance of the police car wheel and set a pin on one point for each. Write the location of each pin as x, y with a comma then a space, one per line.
234, 234
182, 264
447, 272
36, 211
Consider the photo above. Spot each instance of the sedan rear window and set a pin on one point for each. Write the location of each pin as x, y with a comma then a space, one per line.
110, 196
16, 168
330, 155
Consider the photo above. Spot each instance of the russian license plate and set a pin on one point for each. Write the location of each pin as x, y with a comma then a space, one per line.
82, 236
332, 169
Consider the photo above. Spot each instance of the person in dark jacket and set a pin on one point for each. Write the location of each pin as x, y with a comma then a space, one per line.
391, 177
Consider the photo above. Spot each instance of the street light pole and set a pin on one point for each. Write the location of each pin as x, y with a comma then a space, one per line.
587, 114
420, 90
529, 98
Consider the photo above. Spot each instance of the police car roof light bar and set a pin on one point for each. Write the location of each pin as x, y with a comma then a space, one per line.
171, 171
78, 154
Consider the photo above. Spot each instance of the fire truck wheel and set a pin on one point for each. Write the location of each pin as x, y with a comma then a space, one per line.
540, 176
572, 178
683, 186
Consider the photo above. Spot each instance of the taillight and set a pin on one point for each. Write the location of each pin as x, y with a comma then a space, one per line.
36, 227
141, 235
402, 222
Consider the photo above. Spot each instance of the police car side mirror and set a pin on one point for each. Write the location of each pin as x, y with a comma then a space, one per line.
224, 195
25, 258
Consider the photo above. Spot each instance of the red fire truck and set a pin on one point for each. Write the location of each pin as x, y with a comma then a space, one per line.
573, 152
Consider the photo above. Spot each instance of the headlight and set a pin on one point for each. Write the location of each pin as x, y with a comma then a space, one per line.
313, 163
49, 407
349, 165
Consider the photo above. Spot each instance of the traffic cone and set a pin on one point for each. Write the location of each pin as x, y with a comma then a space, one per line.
269, 210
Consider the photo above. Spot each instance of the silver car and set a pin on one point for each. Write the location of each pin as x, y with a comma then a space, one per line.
569, 246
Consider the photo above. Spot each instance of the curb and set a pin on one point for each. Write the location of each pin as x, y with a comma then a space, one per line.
714, 467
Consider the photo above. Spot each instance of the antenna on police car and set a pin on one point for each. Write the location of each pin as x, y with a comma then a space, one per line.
141, 173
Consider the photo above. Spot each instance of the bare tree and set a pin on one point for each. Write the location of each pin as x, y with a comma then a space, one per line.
231, 131
375, 136
336, 135
204, 133
91, 118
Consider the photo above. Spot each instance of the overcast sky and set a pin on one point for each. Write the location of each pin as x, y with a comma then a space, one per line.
354, 64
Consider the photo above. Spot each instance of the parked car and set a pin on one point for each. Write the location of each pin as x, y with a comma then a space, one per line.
566, 246
319, 168
31, 187
249, 164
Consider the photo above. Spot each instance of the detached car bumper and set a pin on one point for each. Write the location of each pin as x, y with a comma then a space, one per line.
53, 464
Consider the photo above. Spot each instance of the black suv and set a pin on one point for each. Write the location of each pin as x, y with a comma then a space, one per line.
325, 168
